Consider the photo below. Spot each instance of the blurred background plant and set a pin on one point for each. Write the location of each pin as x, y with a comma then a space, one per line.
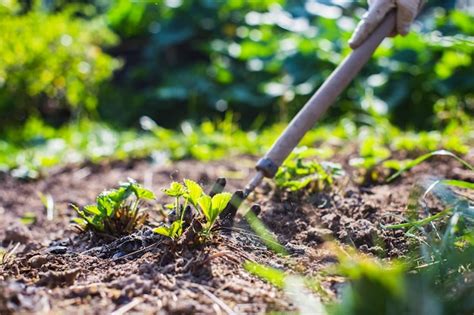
52, 63
223, 77
254, 58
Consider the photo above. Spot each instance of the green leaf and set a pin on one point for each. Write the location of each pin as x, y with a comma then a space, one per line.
219, 202
120, 194
194, 191
144, 193
458, 183
170, 206
28, 218
105, 204
262, 231
175, 190
205, 203
92, 209
177, 228
80, 221
141, 192
172, 231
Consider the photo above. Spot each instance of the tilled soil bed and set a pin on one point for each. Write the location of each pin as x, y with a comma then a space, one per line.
54, 270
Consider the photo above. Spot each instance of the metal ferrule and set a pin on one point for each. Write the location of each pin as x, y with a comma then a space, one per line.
267, 167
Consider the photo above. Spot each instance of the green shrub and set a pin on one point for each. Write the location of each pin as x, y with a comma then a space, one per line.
267, 57
52, 64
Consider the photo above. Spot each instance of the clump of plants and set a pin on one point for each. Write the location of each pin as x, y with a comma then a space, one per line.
116, 212
301, 170
192, 210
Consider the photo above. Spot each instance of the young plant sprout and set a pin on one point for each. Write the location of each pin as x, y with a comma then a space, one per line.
175, 229
189, 197
300, 170
116, 212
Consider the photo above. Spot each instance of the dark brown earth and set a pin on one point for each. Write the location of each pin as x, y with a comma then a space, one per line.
53, 270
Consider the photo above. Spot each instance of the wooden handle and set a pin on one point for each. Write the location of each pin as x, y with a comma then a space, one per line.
323, 98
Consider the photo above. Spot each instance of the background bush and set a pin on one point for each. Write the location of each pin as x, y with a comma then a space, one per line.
195, 59
52, 64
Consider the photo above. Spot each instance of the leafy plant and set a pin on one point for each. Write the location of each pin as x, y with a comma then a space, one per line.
117, 211
247, 60
299, 172
191, 197
57, 66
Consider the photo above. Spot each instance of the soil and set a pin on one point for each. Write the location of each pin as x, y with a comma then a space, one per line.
51, 269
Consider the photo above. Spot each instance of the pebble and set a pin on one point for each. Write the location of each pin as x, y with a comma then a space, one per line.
58, 250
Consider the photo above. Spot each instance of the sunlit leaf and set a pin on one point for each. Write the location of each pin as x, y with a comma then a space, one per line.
205, 203
175, 190
173, 230
194, 190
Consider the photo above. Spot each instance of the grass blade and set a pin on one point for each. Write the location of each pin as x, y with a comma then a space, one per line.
262, 231
424, 157
458, 183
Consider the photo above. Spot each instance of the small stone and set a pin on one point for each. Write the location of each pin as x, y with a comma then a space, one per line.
57, 250
37, 261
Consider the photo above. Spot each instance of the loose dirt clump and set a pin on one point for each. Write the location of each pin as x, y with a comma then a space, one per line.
55, 270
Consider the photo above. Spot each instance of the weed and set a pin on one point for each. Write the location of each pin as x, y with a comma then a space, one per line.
116, 212
28, 218
299, 171
48, 203
190, 197
37, 146
440, 188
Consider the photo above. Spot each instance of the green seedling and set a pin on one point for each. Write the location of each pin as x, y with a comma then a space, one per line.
175, 229
116, 212
48, 203
191, 196
299, 171
28, 218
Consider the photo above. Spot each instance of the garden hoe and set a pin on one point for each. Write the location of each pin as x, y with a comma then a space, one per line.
309, 114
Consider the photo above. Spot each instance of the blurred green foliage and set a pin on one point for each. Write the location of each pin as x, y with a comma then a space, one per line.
266, 57
51, 64
195, 59
302, 171
37, 146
